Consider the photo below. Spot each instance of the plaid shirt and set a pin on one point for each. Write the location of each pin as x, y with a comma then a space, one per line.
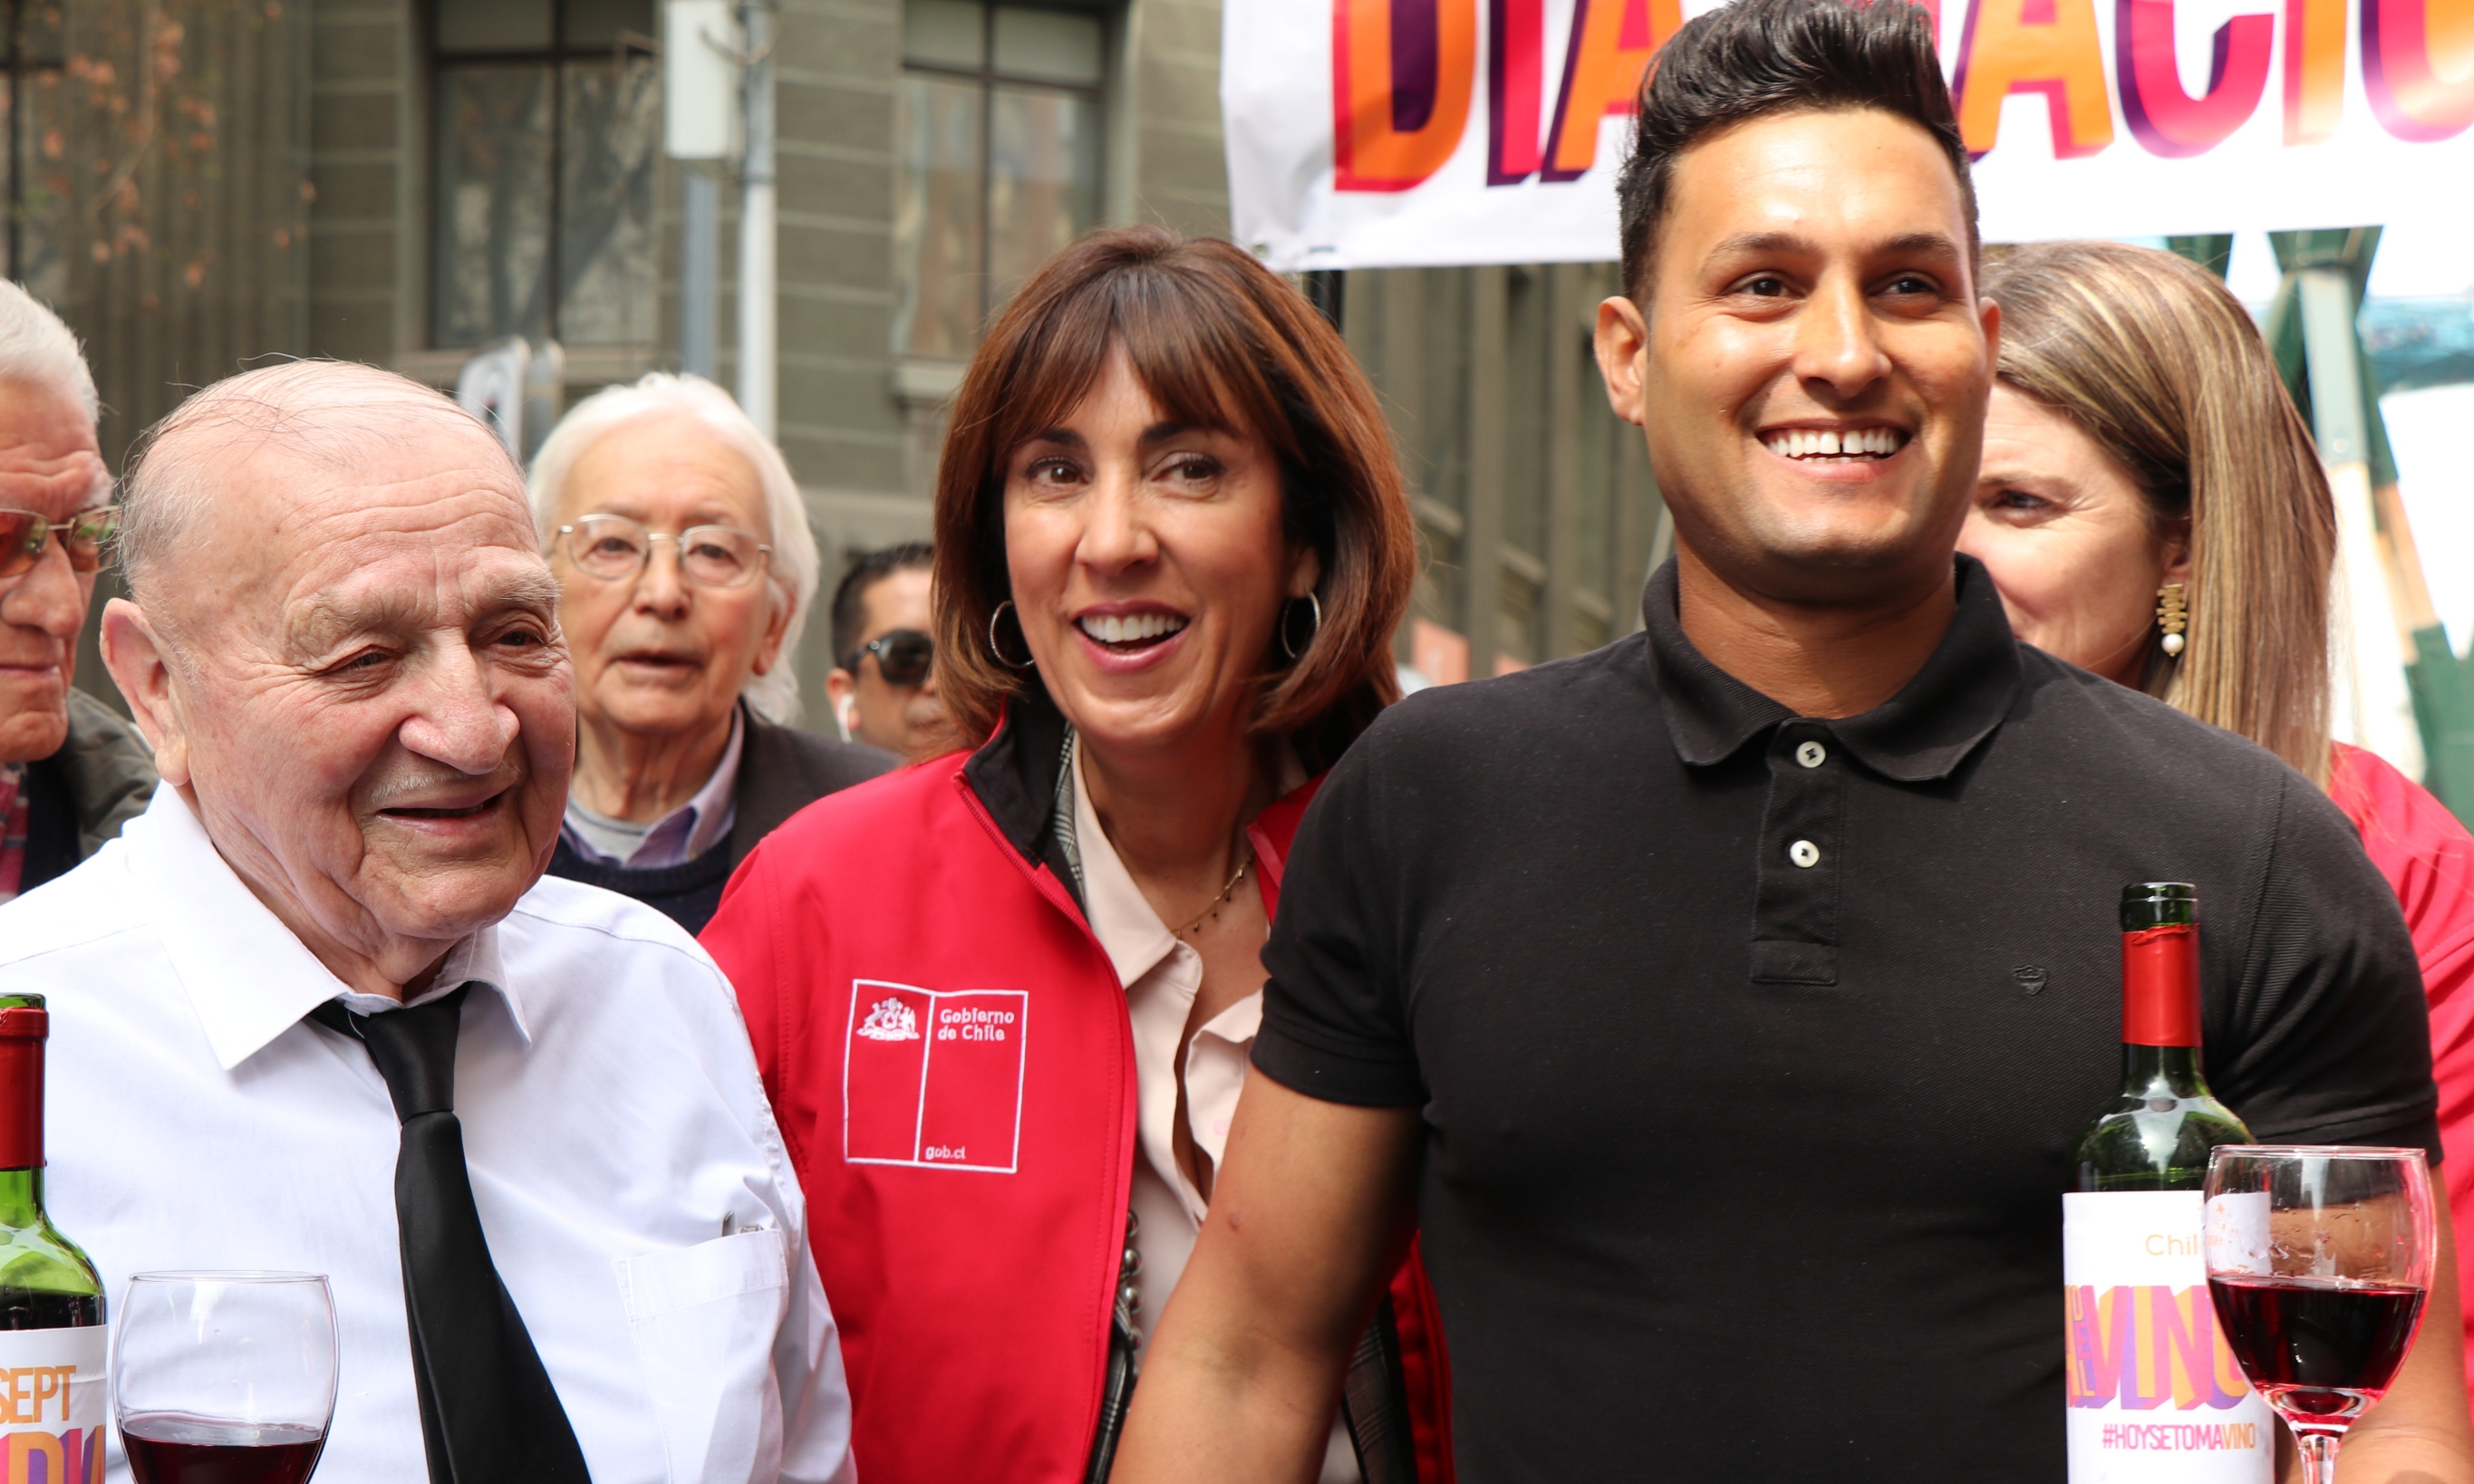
12, 829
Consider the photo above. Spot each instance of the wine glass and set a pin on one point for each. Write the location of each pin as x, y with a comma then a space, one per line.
224, 1377
2319, 1260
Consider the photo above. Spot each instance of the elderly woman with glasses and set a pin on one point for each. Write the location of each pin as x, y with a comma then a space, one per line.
687, 569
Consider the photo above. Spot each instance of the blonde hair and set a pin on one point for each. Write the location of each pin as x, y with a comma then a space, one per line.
2160, 365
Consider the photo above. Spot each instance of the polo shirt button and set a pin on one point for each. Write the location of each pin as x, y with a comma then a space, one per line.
1811, 753
1804, 852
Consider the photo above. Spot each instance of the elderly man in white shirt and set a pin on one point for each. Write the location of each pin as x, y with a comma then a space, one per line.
321, 988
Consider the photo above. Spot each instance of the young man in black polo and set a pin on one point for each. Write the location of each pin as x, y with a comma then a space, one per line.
1723, 1006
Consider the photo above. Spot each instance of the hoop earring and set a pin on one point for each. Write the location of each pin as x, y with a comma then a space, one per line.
993, 619
2173, 617
1298, 651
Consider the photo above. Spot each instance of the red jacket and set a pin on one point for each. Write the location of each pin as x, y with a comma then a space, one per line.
948, 1053
2428, 860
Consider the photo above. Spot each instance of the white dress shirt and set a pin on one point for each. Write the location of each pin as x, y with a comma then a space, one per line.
1162, 973
633, 1186
678, 837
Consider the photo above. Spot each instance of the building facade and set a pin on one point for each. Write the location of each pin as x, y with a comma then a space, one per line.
196, 183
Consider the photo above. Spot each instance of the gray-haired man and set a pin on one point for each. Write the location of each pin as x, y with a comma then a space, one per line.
71, 771
316, 1010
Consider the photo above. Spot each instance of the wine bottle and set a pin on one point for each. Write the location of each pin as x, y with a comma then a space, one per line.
2155, 1395
2156, 1134
52, 1333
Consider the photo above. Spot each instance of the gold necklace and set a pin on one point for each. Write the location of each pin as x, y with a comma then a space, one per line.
1221, 900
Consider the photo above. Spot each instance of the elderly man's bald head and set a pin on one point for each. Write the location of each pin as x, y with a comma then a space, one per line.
238, 446
344, 650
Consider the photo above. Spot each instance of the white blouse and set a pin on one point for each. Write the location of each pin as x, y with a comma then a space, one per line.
1161, 974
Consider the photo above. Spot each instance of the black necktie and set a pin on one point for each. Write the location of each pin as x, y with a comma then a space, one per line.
488, 1414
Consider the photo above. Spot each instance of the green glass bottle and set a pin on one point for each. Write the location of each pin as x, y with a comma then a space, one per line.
52, 1334
2156, 1133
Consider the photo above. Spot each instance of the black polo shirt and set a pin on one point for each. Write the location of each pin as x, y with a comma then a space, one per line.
1752, 1048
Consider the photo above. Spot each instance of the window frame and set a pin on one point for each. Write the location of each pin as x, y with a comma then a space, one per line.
556, 57
18, 67
987, 78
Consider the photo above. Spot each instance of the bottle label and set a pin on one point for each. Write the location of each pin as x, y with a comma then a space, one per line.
2155, 1394
52, 1403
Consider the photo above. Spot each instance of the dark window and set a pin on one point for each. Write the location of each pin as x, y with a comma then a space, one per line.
32, 133
548, 125
999, 159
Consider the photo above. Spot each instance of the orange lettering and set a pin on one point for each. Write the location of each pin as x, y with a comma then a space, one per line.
25, 1447
1402, 72
2034, 46
1613, 41
2315, 69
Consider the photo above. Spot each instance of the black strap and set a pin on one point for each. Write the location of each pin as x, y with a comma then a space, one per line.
1117, 1383
488, 1414
1374, 1400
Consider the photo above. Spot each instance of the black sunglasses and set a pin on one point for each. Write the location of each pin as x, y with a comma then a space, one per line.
902, 656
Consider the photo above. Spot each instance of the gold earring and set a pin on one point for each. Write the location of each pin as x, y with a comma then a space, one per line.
2173, 615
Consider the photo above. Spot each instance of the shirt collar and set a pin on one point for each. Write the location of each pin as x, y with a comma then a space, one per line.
692, 828
713, 801
1120, 914
248, 977
1962, 693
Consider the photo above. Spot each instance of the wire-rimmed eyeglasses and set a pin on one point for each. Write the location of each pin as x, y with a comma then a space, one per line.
615, 549
86, 539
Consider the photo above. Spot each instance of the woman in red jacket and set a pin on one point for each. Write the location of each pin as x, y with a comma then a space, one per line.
1002, 1001
2152, 509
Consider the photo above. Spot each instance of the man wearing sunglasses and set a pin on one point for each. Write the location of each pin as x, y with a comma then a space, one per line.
884, 684
71, 771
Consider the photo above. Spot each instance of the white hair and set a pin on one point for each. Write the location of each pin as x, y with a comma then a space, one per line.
792, 572
36, 347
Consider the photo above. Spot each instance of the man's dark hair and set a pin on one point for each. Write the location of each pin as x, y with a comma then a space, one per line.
867, 570
1755, 58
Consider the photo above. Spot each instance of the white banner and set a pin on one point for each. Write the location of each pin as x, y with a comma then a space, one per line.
1368, 133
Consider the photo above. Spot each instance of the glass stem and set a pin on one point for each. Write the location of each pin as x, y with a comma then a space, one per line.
2318, 1450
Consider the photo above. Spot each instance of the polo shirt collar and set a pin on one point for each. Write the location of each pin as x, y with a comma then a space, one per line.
1962, 693
248, 978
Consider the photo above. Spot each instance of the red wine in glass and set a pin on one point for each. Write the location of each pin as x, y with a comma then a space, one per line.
168, 1448
2317, 1347
224, 1378
2319, 1257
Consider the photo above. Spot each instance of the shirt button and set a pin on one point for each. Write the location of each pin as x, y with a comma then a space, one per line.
1804, 852
1811, 753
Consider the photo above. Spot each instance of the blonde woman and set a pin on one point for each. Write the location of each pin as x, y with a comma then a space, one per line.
2152, 510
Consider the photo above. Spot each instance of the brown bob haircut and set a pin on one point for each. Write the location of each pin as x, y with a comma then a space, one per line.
1219, 341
